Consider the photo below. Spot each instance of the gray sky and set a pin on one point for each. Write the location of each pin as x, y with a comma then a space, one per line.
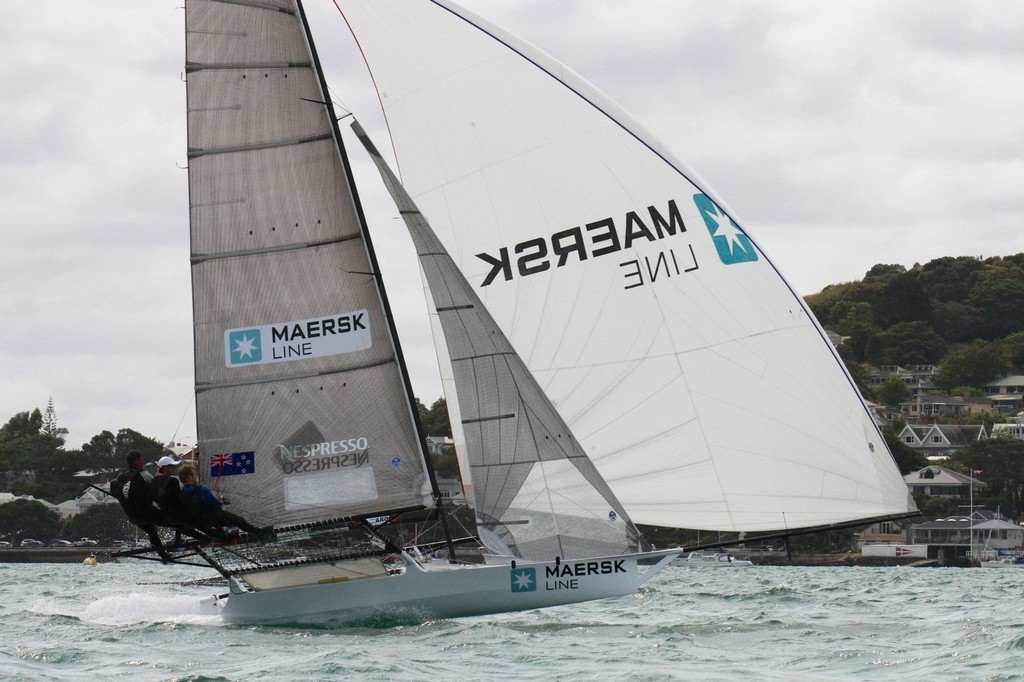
843, 134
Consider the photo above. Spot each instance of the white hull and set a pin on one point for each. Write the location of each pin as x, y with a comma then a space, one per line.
1007, 562
438, 590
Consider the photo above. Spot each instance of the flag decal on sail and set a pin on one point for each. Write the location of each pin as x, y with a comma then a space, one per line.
233, 464
524, 580
732, 244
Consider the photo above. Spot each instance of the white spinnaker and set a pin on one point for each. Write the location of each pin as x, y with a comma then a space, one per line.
694, 377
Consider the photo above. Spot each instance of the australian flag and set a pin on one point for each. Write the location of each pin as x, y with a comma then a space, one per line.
232, 464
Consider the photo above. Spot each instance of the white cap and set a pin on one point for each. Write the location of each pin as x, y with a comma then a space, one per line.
167, 461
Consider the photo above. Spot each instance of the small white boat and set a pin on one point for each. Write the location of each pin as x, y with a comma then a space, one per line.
1010, 561
712, 559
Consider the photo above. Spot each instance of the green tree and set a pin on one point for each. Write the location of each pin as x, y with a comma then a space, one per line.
28, 519
847, 316
856, 370
23, 444
103, 444
936, 507
906, 343
999, 295
978, 363
901, 299
445, 463
893, 391
999, 462
1013, 347
949, 278
102, 521
862, 340
127, 440
50, 426
907, 458
435, 420
957, 321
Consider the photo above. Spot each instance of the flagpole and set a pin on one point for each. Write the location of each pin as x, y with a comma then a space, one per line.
970, 519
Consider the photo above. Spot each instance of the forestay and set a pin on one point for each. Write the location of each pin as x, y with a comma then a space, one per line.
692, 375
303, 409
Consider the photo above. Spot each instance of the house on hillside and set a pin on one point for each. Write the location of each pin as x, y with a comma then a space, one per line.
437, 444
980, 534
926, 407
936, 481
918, 378
1007, 385
941, 440
186, 453
891, 532
451, 490
1004, 403
1013, 428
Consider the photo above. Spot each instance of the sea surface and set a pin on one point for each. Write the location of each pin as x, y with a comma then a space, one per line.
137, 621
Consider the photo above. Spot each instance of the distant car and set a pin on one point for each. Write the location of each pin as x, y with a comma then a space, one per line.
61, 543
29, 542
86, 542
4, 543
120, 543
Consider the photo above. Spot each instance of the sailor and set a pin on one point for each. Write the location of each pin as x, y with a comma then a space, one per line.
166, 489
131, 489
206, 508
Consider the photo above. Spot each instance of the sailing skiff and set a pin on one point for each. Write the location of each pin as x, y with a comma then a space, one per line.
603, 325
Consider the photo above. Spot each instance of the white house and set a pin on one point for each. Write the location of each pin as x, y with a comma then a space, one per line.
941, 439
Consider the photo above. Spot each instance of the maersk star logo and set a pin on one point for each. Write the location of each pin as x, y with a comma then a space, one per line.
732, 245
524, 580
244, 346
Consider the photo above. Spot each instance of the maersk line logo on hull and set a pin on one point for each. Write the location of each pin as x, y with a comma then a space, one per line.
297, 339
732, 244
524, 579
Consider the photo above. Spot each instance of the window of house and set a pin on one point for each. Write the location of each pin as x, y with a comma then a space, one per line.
936, 439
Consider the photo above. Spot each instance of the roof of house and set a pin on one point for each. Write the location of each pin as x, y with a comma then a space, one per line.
1012, 380
961, 434
935, 475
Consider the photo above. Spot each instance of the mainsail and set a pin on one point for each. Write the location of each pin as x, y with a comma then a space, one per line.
304, 409
690, 372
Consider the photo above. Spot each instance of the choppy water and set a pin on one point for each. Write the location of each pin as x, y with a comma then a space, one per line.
71, 622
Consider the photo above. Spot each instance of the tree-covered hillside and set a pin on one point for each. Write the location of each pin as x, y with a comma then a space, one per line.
964, 314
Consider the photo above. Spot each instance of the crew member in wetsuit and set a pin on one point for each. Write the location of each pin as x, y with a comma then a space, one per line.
206, 508
131, 489
166, 490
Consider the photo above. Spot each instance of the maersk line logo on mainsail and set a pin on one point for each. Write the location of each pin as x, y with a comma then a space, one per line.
732, 244
244, 347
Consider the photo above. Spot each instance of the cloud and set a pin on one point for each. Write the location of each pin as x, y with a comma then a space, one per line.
843, 134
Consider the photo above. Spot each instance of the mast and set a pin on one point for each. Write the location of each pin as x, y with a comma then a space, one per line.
392, 328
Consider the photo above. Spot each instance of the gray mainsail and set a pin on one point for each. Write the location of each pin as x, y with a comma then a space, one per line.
303, 404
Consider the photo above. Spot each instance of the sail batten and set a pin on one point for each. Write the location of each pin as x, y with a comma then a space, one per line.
276, 249
196, 153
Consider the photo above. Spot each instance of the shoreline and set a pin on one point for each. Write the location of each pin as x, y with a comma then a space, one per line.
54, 555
